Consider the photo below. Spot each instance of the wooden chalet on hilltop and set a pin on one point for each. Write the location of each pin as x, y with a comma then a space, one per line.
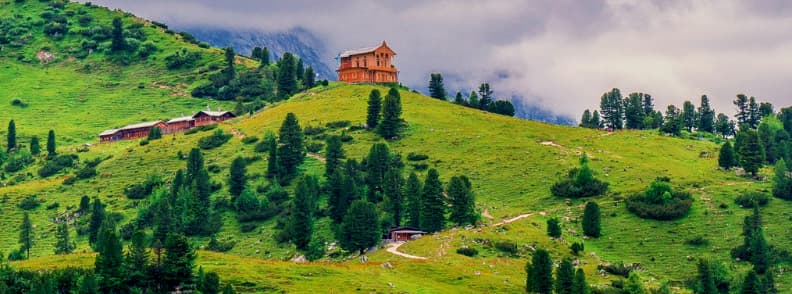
179, 124
368, 65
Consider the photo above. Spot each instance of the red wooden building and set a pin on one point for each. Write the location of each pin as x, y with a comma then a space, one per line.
175, 125
403, 234
368, 65
206, 117
179, 124
134, 131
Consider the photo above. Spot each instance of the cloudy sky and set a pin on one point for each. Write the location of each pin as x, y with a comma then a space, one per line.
561, 53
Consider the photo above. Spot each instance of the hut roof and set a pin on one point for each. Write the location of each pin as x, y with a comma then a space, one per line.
180, 119
213, 113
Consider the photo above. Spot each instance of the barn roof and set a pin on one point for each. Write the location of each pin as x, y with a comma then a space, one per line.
108, 132
363, 50
147, 124
213, 113
180, 119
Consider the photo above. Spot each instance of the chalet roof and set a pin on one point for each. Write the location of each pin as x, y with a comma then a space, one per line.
147, 124
362, 50
108, 132
213, 113
181, 119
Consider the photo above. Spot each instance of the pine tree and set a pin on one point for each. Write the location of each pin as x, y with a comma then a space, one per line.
35, 147
334, 153
273, 166
299, 70
434, 206
752, 284
647, 104
51, 144
63, 243
726, 158
595, 120
374, 109
230, 72
335, 199
473, 100
585, 120
360, 228
768, 284
136, 262
579, 285
540, 273
85, 204
309, 78
413, 190
458, 99
291, 151
95, 223
178, 262
485, 96
460, 196
565, 276
88, 284
706, 118
743, 113
782, 182
109, 261
723, 126
633, 111
287, 75
255, 53
591, 220
265, 57
750, 151
689, 116
633, 285
553, 228
612, 109
377, 165
26, 235
673, 121
118, 42
754, 116
759, 252
391, 115
301, 221
706, 278
237, 177
436, 87
11, 136
229, 289
392, 188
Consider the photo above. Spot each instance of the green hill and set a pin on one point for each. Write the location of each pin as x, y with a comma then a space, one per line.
512, 164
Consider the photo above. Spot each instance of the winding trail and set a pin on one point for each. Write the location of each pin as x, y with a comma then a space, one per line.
316, 156
394, 249
516, 218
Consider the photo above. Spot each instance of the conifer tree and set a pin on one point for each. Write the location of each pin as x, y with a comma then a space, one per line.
433, 203
63, 243
689, 116
291, 151
335, 199
673, 121
109, 261
754, 115
436, 87
178, 262
596, 123
299, 70
782, 182
579, 285
287, 75
473, 100
85, 204
334, 153
706, 278
553, 228
565, 276
360, 229
95, 223
309, 78
392, 187
11, 136
591, 220
273, 165
540, 273
633, 111
485, 96
759, 252
118, 42
88, 284
210, 284
750, 151
255, 53
35, 147
460, 196
229, 59
743, 113
301, 221
390, 126
751, 284
706, 118
26, 235
377, 165
136, 262
51, 144
585, 120
726, 158
633, 284
265, 57
458, 99
612, 109
413, 192
768, 284
228, 289
723, 126
374, 109
237, 177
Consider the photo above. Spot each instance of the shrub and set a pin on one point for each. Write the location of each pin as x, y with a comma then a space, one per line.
312, 130
619, 269
420, 166
577, 248
553, 228
697, 241
213, 168
247, 227
144, 142
29, 203
660, 202
57, 164
250, 140
69, 181
507, 247
86, 173
314, 147
220, 246
182, 59
53, 205
413, 156
580, 182
215, 140
18, 103
200, 129
747, 200
467, 251
140, 191
338, 124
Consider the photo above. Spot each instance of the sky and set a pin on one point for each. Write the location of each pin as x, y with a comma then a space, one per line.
562, 54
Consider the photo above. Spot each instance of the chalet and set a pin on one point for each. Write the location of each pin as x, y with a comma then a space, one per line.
179, 124
206, 117
134, 131
368, 65
403, 234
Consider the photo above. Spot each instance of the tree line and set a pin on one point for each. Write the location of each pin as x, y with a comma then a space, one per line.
484, 99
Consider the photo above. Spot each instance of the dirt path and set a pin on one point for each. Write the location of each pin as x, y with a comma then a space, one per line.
394, 249
317, 157
516, 218
237, 133
486, 214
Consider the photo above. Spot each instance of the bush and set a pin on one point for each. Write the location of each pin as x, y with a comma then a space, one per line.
467, 251
29, 203
250, 140
69, 181
747, 200
201, 129
213, 168
619, 269
577, 248
53, 205
312, 131
697, 241
420, 166
144, 142
86, 173
660, 202
413, 156
215, 140
338, 124
182, 59
248, 227
220, 246
18, 103
57, 164
507, 247
314, 147
346, 138
580, 182
140, 191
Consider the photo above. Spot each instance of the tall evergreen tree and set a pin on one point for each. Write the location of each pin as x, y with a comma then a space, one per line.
230, 70
553, 228
95, 223
238, 176
291, 151
752, 284
299, 70
391, 115
287, 75
759, 252
460, 196
309, 78
565, 277
51, 144
118, 42
63, 243
360, 229
596, 123
743, 112
178, 262
336, 199
265, 57
301, 221
436, 87
392, 188
255, 54
591, 220
673, 121
458, 99
723, 126
706, 278
485, 96
434, 206
109, 261
706, 118
473, 100
11, 136
377, 165
750, 151
633, 111
136, 262
35, 147
88, 284
334, 153
579, 285
647, 104
612, 109
689, 116
726, 158
374, 109
754, 116
540, 273
273, 164
782, 182
26, 235
765, 109
413, 190
585, 120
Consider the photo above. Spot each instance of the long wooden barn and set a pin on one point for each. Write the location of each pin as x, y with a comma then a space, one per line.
179, 124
